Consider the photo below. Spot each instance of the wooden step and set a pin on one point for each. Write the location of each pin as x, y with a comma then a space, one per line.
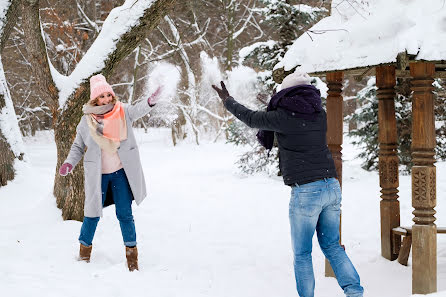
408, 230
404, 250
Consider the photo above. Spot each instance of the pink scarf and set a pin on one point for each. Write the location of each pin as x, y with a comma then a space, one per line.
107, 129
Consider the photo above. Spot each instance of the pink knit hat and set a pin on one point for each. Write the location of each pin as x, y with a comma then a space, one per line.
99, 85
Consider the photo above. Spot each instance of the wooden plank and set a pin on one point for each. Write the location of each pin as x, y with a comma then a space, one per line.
401, 231
408, 230
405, 250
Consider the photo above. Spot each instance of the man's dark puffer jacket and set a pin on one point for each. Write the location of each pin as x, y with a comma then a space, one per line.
304, 154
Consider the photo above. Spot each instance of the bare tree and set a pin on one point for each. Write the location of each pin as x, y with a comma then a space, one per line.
237, 26
216, 27
65, 99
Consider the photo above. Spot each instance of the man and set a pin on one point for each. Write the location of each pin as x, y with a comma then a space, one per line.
296, 117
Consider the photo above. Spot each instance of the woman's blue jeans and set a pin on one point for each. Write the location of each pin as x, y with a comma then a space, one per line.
122, 196
316, 207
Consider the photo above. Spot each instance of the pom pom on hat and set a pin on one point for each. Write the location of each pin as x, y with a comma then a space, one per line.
295, 79
99, 85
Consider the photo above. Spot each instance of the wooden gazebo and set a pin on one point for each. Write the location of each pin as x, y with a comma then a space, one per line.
385, 38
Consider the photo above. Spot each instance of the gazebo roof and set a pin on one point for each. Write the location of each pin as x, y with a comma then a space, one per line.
361, 34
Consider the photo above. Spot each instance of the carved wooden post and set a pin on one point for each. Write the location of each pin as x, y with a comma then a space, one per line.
424, 231
388, 159
335, 125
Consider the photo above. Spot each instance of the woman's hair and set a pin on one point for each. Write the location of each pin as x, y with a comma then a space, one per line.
94, 102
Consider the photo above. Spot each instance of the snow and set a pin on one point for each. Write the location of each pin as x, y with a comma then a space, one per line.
249, 49
309, 9
4, 5
243, 85
118, 22
164, 75
273, 4
60, 48
322, 86
203, 231
8, 119
366, 33
211, 74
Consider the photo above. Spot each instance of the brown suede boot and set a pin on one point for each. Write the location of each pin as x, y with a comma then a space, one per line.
85, 253
132, 258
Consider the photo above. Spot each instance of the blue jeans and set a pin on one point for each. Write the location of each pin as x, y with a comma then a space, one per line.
317, 206
122, 196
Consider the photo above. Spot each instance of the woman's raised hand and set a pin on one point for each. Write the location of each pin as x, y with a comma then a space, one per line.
153, 99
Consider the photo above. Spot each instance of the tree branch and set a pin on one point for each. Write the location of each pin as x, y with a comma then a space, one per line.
37, 54
11, 21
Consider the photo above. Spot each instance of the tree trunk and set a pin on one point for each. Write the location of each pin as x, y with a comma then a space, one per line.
69, 190
7, 156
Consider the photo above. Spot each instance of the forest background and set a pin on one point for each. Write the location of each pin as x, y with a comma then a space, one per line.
185, 46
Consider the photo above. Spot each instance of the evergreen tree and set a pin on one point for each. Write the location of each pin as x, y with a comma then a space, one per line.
366, 135
367, 118
256, 158
287, 20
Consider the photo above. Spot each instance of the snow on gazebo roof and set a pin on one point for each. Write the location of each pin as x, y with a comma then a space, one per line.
362, 33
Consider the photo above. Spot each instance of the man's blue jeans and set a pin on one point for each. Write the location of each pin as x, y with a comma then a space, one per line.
122, 196
316, 206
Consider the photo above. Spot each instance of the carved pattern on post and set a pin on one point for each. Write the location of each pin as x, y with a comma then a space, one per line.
393, 171
419, 184
424, 231
423, 194
388, 161
382, 171
433, 186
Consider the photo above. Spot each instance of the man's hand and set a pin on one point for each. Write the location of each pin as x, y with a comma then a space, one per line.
223, 92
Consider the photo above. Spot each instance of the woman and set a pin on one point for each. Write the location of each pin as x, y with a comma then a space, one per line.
112, 167
296, 117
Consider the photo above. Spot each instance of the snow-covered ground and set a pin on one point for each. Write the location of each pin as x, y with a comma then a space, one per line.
204, 230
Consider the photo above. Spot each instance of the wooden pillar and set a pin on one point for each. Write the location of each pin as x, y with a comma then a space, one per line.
335, 126
424, 231
388, 159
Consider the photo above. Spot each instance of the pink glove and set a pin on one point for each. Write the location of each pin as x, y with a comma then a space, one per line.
65, 169
155, 96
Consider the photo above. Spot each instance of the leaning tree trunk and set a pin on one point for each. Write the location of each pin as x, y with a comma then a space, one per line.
69, 190
7, 157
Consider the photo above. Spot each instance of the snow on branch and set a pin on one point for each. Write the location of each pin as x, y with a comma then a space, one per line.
119, 22
87, 19
246, 22
8, 118
4, 6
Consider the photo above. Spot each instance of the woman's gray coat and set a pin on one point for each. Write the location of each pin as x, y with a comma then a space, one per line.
128, 153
